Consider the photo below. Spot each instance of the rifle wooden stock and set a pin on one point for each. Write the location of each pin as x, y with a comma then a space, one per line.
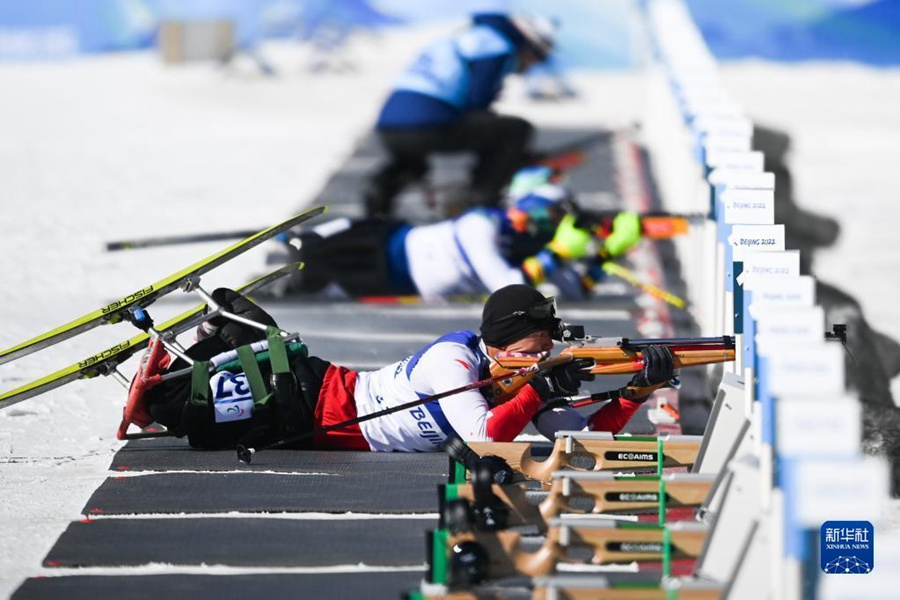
611, 495
638, 454
625, 494
615, 361
608, 544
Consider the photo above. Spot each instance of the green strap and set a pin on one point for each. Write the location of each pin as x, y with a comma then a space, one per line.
660, 459
277, 353
451, 491
439, 556
458, 473
200, 383
293, 349
662, 500
667, 553
258, 389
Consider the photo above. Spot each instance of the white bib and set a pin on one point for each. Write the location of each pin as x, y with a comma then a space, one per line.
232, 398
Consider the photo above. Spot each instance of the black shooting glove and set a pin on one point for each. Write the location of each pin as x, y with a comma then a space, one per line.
232, 333
659, 368
562, 380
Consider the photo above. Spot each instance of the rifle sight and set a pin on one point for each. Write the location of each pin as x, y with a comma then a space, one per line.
569, 333
838, 332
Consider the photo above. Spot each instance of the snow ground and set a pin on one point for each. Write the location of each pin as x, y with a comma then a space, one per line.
119, 146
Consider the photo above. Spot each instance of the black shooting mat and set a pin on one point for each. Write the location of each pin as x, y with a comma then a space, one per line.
265, 492
416, 324
170, 454
242, 542
388, 585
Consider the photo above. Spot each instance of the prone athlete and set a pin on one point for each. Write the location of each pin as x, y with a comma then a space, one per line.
538, 238
318, 394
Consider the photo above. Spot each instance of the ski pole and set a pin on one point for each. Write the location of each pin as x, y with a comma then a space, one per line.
617, 270
245, 454
170, 240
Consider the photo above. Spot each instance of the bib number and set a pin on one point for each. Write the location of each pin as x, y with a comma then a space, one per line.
232, 399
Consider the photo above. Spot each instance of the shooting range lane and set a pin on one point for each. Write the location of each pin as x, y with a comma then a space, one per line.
175, 455
312, 543
171, 501
595, 179
264, 492
234, 586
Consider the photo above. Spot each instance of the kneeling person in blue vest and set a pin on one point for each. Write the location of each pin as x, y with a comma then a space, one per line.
442, 103
241, 402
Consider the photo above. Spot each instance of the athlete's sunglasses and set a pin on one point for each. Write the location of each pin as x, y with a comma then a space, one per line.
542, 311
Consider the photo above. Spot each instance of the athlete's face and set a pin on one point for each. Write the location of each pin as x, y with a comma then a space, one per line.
537, 341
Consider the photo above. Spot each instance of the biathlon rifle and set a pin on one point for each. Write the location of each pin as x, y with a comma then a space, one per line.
517, 461
609, 356
493, 555
587, 493
655, 225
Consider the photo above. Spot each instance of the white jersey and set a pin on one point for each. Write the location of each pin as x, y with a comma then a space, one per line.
452, 361
461, 256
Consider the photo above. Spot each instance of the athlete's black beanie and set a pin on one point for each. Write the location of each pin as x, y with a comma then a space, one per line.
499, 329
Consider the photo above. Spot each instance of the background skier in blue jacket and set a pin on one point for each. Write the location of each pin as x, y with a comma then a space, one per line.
441, 104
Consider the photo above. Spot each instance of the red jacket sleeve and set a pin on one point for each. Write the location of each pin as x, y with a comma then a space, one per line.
507, 420
613, 416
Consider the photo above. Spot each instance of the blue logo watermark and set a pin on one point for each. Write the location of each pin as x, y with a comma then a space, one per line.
847, 547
